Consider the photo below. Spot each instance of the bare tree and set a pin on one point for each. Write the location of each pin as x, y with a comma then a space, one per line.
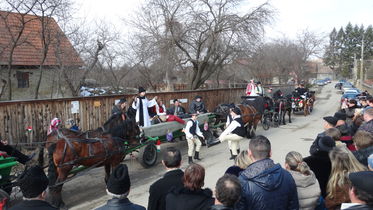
15, 32
45, 10
205, 34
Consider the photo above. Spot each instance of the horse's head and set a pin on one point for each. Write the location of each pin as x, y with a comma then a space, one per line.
222, 109
131, 113
113, 122
132, 132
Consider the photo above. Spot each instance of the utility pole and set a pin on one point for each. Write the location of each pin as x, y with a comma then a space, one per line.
362, 62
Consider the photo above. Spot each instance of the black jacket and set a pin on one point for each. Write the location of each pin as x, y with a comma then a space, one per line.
320, 164
180, 111
363, 154
159, 189
32, 205
185, 199
220, 207
367, 126
266, 185
197, 106
120, 204
360, 207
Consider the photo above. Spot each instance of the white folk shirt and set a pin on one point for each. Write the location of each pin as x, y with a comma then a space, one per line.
233, 125
145, 104
187, 130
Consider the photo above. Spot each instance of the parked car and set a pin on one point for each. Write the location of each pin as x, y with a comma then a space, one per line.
320, 82
350, 95
328, 80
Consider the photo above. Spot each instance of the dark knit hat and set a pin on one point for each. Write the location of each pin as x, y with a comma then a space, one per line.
362, 180
331, 120
141, 89
340, 116
326, 143
198, 97
122, 100
119, 181
175, 100
236, 110
33, 182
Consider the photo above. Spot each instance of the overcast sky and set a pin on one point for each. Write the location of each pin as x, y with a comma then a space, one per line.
292, 16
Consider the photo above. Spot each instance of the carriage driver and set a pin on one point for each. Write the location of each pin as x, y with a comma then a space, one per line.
234, 133
192, 132
302, 90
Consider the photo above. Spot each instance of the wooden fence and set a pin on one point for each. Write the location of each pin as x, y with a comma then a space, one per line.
17, 116
92, 112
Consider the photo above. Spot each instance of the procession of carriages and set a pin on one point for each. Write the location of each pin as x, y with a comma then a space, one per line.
73, 153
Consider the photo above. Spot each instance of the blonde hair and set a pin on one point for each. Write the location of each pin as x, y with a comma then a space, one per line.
243, 160
334, 133
343, 163
296, 163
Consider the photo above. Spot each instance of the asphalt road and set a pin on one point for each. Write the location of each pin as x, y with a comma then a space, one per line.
88, 191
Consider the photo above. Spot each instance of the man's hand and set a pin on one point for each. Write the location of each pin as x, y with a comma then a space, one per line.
5, 142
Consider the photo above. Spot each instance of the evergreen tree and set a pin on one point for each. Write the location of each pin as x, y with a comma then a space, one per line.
331, 53
368, 43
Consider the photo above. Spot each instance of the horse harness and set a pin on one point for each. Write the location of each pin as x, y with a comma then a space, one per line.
89, 141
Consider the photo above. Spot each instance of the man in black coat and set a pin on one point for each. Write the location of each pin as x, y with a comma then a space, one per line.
33, 183
118, 187
319, 161
227, 192
159, 189
361, 191
178, 110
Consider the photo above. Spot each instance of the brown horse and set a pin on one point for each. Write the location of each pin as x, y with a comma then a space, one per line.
250, 116
102, 147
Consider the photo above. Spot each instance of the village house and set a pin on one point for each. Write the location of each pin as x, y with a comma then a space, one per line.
22, 48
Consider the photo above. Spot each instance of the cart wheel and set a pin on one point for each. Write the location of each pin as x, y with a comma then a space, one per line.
4, 199
265, 122
276, 120
148, 155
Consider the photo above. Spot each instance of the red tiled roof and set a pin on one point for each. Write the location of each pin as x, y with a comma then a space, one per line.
29, 51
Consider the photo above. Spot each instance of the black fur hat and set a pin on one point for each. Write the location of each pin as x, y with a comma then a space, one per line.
33, 182
141, 89
119, 181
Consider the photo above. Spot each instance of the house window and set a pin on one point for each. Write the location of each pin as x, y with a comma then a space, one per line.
23, 79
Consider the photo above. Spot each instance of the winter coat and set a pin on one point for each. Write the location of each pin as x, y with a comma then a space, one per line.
308, 189
159, 189
367, 126
360, 207
340, 197
120, 204
319, 163
185, 199
220, 207
116, 110
180, 111
197, 106
33, 204
266, 185
363, 154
